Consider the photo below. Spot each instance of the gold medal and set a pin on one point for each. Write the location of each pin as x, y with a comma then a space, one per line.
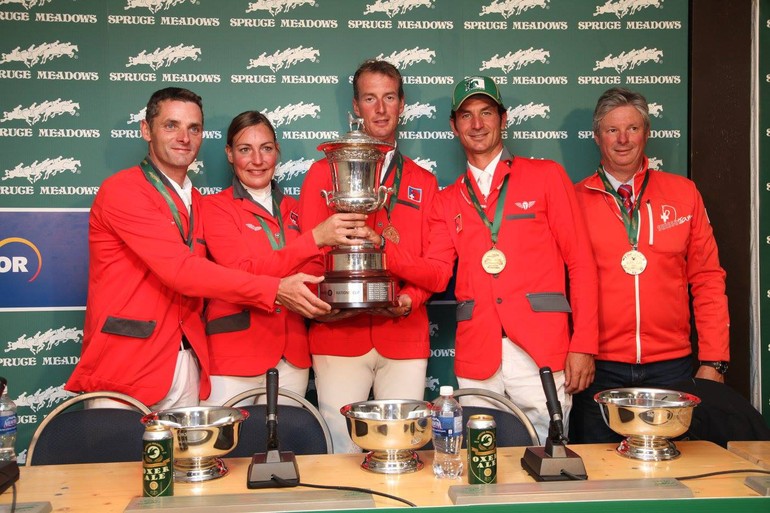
633, 262
493, 261
391, 234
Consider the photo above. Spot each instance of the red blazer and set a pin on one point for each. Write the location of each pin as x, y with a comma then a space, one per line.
398, 338
145, 288
542, 236
247, 341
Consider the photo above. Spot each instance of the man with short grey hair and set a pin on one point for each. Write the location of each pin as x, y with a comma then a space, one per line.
653, 243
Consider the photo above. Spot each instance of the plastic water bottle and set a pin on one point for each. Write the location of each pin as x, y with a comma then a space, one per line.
447, 419
7, 425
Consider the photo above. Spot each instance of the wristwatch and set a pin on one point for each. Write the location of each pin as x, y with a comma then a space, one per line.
721, 367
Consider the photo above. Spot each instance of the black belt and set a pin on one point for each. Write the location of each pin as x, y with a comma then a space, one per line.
185, 344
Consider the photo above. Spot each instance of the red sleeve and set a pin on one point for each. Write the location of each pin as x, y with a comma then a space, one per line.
432, 270
707, 285
566, 223
232, 246
132, 211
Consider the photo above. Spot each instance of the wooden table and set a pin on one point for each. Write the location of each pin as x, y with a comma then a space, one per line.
755, 452
109, 487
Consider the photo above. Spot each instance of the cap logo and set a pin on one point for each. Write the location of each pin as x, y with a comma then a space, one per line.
474, 83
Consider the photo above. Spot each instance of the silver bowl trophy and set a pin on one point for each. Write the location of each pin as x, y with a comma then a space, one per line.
391, 430
356, 276
647, 417
202, 434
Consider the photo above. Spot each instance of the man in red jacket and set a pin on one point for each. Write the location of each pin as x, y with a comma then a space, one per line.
513, 226
148, 271
652, 241
385, 351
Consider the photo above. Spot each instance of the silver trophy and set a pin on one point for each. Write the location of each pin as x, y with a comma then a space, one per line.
356, 276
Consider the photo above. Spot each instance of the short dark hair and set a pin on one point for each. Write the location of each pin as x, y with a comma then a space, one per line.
245, 120
382, 67
619, 97
170, 93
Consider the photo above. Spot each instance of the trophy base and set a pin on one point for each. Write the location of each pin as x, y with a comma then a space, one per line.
367, 292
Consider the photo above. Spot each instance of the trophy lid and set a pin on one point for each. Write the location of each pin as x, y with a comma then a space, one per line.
355, 139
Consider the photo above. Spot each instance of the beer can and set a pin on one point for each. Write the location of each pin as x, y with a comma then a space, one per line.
482, 449
158, 461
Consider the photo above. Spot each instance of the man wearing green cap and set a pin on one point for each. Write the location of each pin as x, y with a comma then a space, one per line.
513, 226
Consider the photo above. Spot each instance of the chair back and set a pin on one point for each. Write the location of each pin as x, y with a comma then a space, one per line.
513, 426
301, 429
92, 435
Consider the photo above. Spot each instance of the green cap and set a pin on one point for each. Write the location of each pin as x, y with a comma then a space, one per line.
475, 85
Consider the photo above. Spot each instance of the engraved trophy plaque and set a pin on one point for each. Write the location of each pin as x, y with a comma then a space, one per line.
356, 276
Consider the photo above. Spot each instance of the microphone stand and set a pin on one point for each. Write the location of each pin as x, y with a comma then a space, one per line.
555, 461
273, 463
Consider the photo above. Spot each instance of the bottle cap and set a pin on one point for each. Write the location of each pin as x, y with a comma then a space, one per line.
446, 390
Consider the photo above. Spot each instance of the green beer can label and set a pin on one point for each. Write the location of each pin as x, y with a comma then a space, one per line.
482, 450
158, 462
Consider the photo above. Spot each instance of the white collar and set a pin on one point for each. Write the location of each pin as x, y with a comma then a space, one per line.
184, 191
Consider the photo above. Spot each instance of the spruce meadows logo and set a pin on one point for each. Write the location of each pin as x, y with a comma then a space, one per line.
45, 340
292, 169
40, 399
521, 113
138, 117
655, 109
408, 57
655, 163
395, 7
629, 60
27, 4
284, 115
165, 57
42, 111
40, 54
508, 8
621, 8
277, 6
417, 110
43, 170
431, 383
516, 60
284, 58
196, 167
155, 6
428, 164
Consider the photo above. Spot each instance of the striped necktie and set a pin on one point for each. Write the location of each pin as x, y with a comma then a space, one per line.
626, 193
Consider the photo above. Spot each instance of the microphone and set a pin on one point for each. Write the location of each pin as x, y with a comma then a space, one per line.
272, 410
556, 426
555, 461
274, 468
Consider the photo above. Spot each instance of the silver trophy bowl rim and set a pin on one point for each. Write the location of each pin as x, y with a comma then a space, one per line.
647, 439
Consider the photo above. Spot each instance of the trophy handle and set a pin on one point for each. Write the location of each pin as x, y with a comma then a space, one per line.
329, 197
382, 195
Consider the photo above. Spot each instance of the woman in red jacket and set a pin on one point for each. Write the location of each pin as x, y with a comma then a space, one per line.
253, 226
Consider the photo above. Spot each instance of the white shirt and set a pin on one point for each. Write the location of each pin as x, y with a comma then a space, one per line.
184, 191
386, 164
617, 183
263, 196
484, 176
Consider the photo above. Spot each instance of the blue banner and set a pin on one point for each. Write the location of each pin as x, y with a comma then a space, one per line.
43, 259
